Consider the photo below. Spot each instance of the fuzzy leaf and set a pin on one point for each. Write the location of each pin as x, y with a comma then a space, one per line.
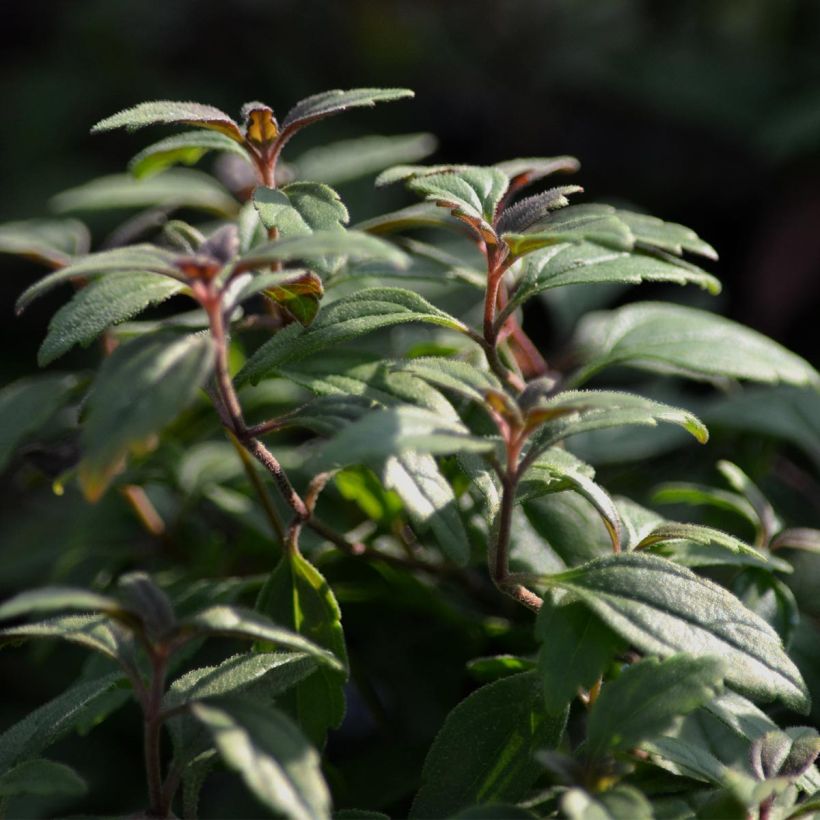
453, 374
523, 172
42, 777
663, 609
297, 595
344, 160
270, 753
169, 112
790, 753
300, 208
671, 531
185, 149
647, 697
174, 188
107, 301
26, 405
549, 474
527, 212
421, 215
49, 241
56, 599
327, 103
620, 803
345, 319
143, 386
685, 341
667, 236
484, 751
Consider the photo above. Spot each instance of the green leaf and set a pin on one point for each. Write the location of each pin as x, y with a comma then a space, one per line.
298, 292
26, 405
239, 622
549, 474
587, 264
396, 431
170, 112
576, 647
798, 538
100, 304
42, 777
150, 604
300, 209
50, 241
495, 811
453, 374
174, 188
667, 236
685, 341
684, 492
621, 803
349, 317
527, 212
489, 669
185, 149
522, 172
56, 599
297, 595
785, 754
327, 103
663, 608
344, 160
143, 386
271, 754
429, 500
647, 697
141, 258
73, 708
484, 751
471, 193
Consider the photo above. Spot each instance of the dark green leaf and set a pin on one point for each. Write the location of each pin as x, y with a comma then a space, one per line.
663, 609
300, 209
647, 697
334, 102
186, 149
487, 670
50, 241
484, 751
143, 386
100, 304
453, 374
43, 778
685, 341
170, 112
271, 754
527, 212
149, 603
495, 811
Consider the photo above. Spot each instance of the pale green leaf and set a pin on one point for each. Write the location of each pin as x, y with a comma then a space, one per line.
174, 188
456, 375
107, 301
42, 777
664, 609
273, 757
333, 102
52, 242
549, 474
170, 112
682, 340
142, 387
621, 803
185, 149
484, 752
668, 236
300, 208
56, 599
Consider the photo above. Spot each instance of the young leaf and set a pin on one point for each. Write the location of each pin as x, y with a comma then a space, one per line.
143, 386
484, 751
334, 102
300, 208
52, 242
785, 754
297, 595
527, 212
43, 778
685, 341
667, 236
576, 647
271, 754
523, 172
149, 603
26, 405
185, 149
684, 492
168, 112
345, 319
647, 697
175, 188
100, 304
663, 608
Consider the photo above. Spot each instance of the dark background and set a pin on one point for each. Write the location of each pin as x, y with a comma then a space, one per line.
704, 112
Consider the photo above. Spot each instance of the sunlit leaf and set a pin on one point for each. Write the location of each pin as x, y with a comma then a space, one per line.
182, 149
173, 113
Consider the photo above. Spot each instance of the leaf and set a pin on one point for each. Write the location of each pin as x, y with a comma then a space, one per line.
327, 103
523, 172
688, 342
668, 236
489, 669
75, 707
174, 188
142, 258
300, 208
798, 538
100, 304
169, 112
785, 754
620, 803
239, 622
395, 431
56, 599
471, 194
484, 751
185, 149
429, 500
647, 697
527, 212
344, 160
549, 474
150, 604
663, 609
50, 241
26, 405
576, 647
297, 595
271, 754
453, 374
299, 293
42, 777
683, 492
586, 264
143, 386
362, 312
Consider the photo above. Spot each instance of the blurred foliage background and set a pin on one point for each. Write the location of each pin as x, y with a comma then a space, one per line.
705, 112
